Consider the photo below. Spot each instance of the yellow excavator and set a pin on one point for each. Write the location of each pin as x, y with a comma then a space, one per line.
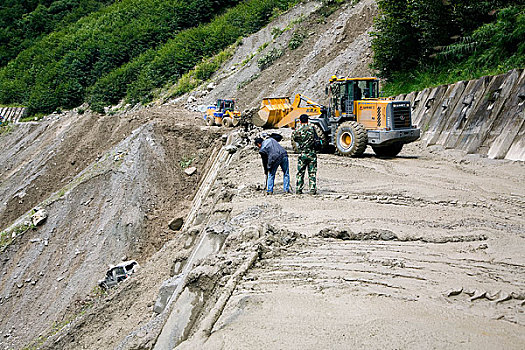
355, 117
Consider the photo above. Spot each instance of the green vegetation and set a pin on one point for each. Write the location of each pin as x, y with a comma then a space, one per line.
268, 58
423, 43
95, 295
56, 71
202, 72
22, 23
297, 39
248, 81
8, 236
6, 128
186, 161
130, 48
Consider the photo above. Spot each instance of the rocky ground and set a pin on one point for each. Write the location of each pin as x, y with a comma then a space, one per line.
109, 195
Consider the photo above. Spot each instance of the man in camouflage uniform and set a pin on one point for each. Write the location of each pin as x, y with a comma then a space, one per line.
304, 136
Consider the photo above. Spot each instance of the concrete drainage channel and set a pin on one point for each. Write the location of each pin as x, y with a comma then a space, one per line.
224, 248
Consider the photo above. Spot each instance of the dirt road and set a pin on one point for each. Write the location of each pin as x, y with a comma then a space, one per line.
421, 251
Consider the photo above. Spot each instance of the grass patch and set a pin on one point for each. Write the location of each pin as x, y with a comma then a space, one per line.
6, 128
403, 83
271, 56
297, 39
8, 236
32, 118
95, 294
248, 81
186, 161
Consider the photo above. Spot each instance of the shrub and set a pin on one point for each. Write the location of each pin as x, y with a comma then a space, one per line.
267, 59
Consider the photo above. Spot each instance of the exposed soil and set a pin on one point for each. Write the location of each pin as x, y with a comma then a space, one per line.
118, 207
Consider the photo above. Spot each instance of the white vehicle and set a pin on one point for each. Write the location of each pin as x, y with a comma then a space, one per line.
118, 273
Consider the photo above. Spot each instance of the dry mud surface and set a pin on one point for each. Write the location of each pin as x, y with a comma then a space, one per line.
421, 251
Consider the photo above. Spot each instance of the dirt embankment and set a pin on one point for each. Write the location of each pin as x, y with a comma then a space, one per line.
118, 206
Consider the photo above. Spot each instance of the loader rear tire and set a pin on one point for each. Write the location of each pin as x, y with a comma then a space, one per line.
210, 121
351, 139
227, 122
388, 151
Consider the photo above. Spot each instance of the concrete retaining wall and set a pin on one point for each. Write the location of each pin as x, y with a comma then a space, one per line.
13, 114
483, 116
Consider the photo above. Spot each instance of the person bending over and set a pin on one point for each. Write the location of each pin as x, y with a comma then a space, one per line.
273, 156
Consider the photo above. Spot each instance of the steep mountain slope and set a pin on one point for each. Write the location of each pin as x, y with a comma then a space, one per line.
334, 44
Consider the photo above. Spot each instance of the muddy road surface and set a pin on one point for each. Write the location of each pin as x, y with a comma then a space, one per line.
421, 251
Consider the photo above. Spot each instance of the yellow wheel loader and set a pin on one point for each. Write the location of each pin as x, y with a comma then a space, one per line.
355, 117
223, 113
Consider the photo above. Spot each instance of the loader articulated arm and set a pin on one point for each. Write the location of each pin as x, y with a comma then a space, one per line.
312, 108
301, 98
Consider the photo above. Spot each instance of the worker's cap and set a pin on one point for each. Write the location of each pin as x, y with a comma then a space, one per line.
303, 118
258, 141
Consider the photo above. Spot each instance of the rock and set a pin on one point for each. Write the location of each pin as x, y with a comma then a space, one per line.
38, 217
210, 86
165, 293
454, 291
493, 295
478, 294
176, 223
502, 297
191, 99
190, 171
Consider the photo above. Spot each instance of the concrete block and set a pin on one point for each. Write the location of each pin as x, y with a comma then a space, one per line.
509, 123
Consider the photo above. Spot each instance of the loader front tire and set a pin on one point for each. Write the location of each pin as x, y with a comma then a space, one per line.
388, 151
210, 121
227, 122
351, 139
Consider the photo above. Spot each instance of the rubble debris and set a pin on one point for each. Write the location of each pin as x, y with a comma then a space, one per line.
190, 171
176, 223
347, 234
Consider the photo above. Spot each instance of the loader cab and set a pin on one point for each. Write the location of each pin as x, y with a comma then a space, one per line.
343, 92
225, 105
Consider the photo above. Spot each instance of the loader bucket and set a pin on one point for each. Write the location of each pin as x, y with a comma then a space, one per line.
272, 110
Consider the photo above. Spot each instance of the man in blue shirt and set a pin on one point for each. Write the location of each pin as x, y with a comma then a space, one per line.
273, 156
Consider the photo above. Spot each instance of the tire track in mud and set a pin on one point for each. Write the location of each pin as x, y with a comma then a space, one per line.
400, 270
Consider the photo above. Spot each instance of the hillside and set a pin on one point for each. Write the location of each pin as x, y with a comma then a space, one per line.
423, 250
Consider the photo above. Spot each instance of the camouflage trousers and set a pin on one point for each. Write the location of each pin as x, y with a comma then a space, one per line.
306, 161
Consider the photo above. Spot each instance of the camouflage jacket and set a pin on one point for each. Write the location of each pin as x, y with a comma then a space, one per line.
305, 138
